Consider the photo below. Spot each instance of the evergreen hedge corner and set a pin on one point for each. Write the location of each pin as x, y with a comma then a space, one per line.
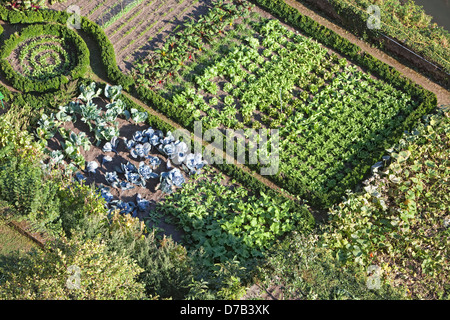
107, 54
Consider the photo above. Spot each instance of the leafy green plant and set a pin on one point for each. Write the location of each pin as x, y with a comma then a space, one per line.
112, 92
138, 116
223, 223
34, 196
43, 274
398, 221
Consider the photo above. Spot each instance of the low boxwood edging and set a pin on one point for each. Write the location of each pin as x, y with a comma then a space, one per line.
24, 84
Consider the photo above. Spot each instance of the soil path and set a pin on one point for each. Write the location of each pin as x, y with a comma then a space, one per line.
443, 95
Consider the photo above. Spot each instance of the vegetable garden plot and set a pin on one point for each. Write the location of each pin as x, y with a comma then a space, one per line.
135, 27
43, 57
227, 220
143, 172
333, 119
106, 143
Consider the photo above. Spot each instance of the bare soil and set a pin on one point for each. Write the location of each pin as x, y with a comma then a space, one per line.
161, 21
95, 153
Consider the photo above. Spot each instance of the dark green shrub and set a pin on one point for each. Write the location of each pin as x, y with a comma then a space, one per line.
25, 84
23, 184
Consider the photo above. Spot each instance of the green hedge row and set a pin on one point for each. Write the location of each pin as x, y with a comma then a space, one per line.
107, 54
25, 84
163, 105
92, 29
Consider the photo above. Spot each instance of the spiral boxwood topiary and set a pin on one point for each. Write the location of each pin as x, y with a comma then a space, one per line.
49, 55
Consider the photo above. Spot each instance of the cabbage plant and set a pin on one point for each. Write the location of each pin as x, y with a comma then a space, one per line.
138, 116
88, 92
170, 180
47, 127
105, 193
112, 178
91, 167
112, 92
193, 164
111, 146
142, 204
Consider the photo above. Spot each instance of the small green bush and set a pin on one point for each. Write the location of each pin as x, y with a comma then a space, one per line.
72, 269
23, 184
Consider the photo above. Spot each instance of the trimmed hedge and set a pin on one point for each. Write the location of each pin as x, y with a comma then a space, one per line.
92, 29
25, 84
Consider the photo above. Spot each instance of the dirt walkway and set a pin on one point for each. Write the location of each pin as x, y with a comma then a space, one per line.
443, 95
